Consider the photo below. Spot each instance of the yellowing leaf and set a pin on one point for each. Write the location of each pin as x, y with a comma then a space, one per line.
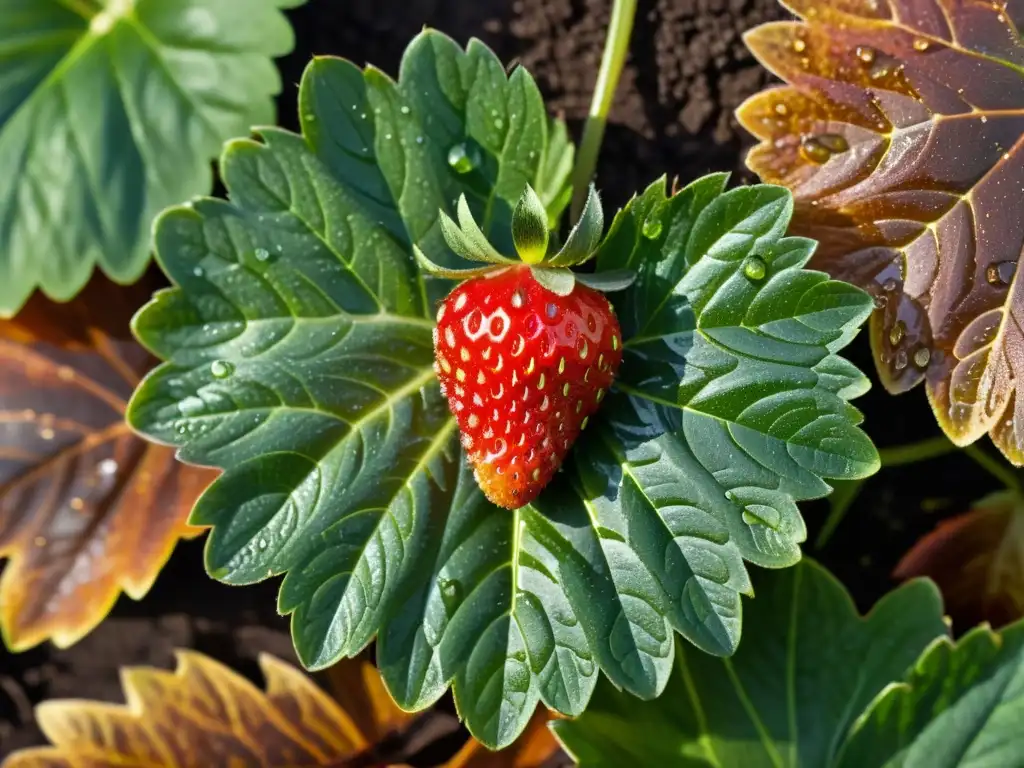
87, 509
901, 135
201, 715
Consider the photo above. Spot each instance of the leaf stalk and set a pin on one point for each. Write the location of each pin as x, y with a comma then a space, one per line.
616, 46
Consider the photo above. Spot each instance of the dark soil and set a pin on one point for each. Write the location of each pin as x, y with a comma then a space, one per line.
688, 71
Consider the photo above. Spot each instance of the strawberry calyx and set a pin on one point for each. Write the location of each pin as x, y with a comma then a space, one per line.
533, 244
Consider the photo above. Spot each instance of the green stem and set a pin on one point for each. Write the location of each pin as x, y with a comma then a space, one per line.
616, 46
914, 452
994, 467
842, 498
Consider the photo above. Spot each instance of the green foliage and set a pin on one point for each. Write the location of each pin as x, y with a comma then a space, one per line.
111, 111
814, 684
299, 360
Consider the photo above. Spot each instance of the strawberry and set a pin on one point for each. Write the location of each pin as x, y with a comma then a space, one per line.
524, 350
523, 369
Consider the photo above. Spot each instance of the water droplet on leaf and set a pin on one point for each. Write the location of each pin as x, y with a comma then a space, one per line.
464, 158
900, 361
262, 254
755, 268
652, 226
897, 332
865, 54
451, 593
922, 356
221, 369
1000, 273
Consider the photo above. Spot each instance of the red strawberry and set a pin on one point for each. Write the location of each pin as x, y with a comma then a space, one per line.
522, 368
524, 350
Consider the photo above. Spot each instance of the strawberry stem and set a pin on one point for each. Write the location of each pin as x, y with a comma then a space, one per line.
614, 57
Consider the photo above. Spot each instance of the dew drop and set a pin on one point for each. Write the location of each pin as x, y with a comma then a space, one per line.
107, 467
404, 110
652, 227
463, 158
262, 254
197, 271
1000, 273
451, 593
890, 285
755, 268
897, 332
221, 369
799, 45
900, 361
920, 44
262, 544
865, 54
922, 357
818, 149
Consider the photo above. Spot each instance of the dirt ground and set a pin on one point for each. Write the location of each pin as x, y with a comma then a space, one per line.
687, 72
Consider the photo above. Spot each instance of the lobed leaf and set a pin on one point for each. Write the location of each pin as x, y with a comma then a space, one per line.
111, 111
87, 508
201, 713
791, 695
299, 360
899, 134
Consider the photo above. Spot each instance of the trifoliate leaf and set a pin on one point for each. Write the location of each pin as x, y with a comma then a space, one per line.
110, 111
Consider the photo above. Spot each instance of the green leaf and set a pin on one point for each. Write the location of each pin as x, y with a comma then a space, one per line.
809, 664
530, 227
299, 360
109, 112
961, 704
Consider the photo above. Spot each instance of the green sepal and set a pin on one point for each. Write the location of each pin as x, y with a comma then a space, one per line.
585, 235
607, 282
558, 281
437, 270
530, 227
466, 239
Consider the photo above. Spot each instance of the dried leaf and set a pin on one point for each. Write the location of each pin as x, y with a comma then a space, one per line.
203, 714
977, 559
356, 685
87, 509
532, 749
901, 134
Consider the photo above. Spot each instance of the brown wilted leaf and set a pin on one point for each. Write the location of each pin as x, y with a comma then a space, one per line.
204, 715
201, 715
87, 509
532, 749
901, 134
977, 559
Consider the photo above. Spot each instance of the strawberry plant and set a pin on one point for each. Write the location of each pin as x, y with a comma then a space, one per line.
538, 454
299, 351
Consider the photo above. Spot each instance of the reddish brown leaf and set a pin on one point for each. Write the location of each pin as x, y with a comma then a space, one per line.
901, 134
977, 559
201, 715
87, 509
